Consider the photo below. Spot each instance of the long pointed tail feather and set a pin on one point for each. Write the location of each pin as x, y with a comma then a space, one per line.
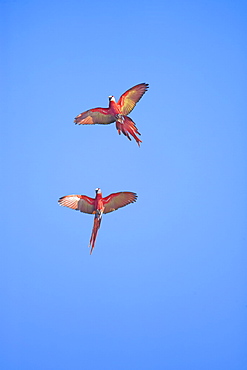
96, 226
128, 127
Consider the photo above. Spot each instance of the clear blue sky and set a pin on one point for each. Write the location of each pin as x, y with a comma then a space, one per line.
165, 287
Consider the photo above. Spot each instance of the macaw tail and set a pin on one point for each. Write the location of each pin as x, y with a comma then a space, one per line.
96, 226
128, 127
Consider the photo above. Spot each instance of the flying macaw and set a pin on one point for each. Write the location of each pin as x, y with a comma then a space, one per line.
117, 112
97, 206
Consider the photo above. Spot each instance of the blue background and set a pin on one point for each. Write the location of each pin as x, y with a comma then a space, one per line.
165, 287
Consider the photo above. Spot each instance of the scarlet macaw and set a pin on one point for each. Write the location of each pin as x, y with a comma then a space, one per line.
97, 206
117, 112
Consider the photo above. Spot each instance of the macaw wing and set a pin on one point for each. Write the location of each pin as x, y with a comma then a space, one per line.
128, 100
94, 116
118, 200
78, 202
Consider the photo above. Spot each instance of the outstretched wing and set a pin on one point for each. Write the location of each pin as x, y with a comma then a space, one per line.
128, 100
78, 202
94, 116
118, 200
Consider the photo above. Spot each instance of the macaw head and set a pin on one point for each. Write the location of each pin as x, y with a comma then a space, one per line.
98, 190
111, 98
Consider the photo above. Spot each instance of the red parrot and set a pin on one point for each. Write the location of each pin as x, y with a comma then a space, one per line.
97, 206
117, 112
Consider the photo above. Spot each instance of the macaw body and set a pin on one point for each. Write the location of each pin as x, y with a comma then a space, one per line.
97, 206
117, 112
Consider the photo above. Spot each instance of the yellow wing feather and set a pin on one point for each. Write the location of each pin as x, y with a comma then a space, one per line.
128, 100
94, 116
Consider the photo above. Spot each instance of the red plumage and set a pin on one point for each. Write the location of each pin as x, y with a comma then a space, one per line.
116, 112
97, 206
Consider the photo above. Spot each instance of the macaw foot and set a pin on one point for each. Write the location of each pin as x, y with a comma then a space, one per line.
119, 118
128, 127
